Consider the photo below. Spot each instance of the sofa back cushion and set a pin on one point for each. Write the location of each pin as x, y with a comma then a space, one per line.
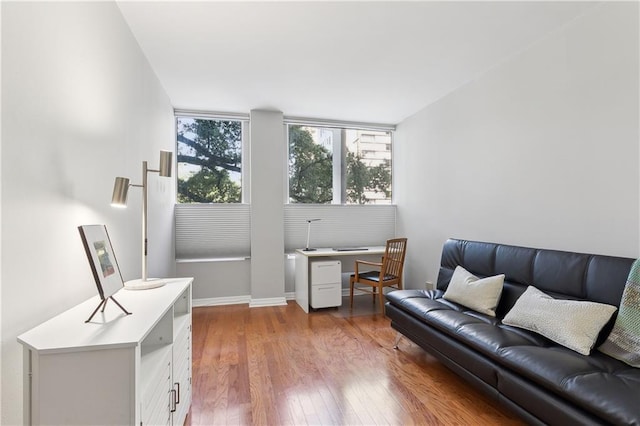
561, 274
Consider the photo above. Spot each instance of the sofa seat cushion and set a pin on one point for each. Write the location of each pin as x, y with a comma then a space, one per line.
598, 383
490, 340
482, 332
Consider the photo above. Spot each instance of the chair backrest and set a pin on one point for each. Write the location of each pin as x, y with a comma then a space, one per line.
393, 261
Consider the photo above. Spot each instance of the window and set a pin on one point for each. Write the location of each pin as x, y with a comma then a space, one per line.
339, 165
209, 160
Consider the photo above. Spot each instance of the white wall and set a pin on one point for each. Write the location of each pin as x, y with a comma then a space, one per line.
80, 105
0, 224
540, 151
224, 280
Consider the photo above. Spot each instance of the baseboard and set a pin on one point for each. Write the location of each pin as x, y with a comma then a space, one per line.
239, 300
220, 301
268, 301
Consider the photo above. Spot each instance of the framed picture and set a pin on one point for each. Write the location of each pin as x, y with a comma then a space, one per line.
102, 259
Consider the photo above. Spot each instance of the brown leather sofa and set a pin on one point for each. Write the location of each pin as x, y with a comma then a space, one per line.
543, 382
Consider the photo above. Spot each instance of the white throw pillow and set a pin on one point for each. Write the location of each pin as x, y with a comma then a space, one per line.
574, 324
481, 295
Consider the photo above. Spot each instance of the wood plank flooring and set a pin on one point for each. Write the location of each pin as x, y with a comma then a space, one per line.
280, 366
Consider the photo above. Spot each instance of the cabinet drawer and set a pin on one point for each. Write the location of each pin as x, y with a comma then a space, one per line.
159, 406
182, 343
326, 272
161, 415
158, 377
182, 365
326, 295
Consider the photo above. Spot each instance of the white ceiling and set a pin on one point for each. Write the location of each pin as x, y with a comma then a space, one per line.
376, 62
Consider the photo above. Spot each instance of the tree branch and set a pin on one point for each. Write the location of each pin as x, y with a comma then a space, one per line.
211, 161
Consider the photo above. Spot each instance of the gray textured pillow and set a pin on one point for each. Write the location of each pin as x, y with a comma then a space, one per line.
623, 342
481, 295
574, 324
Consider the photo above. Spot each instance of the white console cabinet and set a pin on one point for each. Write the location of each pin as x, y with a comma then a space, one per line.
117, 369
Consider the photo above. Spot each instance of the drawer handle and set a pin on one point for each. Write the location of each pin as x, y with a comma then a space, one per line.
173, 401
178, 385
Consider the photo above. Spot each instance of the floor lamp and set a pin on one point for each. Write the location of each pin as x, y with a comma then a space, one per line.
119, 199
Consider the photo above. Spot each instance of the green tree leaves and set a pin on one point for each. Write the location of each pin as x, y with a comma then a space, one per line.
311, 172
362, 179
357, 179
215, 152
310, 169
208, 186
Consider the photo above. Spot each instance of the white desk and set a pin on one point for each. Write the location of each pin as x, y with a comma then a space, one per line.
302, 266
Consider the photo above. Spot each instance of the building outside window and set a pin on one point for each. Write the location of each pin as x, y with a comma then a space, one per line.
339, 165
209, 157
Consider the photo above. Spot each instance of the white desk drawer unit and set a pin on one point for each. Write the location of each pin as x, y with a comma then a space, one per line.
326, 284
318, 291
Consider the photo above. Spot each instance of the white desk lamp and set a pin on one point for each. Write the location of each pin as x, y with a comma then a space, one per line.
309, 233
119, 199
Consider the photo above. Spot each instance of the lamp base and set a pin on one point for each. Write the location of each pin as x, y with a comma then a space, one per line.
139, 284
309, 249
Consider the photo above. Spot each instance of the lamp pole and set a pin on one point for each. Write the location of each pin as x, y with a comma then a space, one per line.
144, 221
309, 233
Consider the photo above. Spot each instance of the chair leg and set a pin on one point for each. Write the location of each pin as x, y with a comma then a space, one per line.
373, 293
381, 295
351, 292
397, 342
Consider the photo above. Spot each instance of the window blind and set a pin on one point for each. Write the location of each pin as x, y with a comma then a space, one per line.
339, 225
209, 231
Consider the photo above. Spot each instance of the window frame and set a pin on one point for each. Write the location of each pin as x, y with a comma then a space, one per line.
245, 151
358, 126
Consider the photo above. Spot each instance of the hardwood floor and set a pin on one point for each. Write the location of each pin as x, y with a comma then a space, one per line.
280, 366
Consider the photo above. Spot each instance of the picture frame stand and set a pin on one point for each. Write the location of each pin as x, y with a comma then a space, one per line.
103, 304
104, 265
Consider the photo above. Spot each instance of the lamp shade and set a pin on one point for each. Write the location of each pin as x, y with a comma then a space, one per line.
120, 191
165, 163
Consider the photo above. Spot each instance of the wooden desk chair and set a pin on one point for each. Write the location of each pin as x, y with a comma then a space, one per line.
389, 275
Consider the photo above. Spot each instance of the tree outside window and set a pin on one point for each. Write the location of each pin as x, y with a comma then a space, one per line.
339, 166
209, 160
310, 168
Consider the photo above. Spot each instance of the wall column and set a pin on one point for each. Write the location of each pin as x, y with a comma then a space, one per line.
267, 208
